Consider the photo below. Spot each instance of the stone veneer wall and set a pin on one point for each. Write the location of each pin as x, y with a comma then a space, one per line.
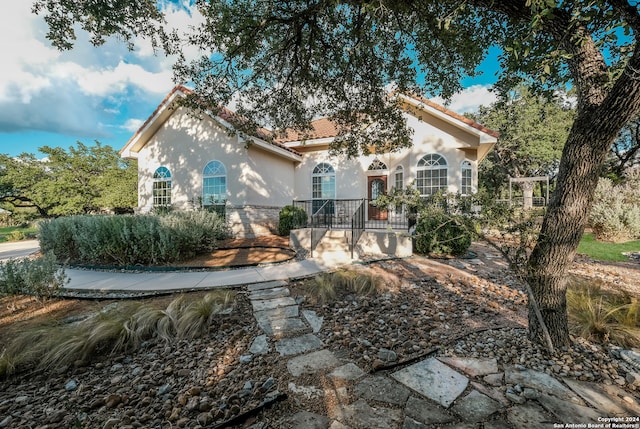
253, 221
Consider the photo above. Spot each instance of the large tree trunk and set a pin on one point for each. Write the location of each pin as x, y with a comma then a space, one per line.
582, 160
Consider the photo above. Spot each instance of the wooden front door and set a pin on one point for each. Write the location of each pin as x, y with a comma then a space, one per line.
377, 185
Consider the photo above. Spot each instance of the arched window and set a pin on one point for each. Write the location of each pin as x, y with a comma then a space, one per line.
466, 178
377, 165
162, 187
323, 186
214, 183
398, 181
431, 176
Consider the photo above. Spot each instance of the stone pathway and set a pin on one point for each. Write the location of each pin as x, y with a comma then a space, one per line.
452, 392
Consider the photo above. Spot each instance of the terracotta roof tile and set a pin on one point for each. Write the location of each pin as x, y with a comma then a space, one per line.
321, 128
455, 115
325, 128
224, 113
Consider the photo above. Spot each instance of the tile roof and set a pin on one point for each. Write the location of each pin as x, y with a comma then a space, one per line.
325, 128
224, 113
455, 115
321, 128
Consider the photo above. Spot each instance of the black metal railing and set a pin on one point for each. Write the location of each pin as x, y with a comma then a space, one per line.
338, 213
357, 226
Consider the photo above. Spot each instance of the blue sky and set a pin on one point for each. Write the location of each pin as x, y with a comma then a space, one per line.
52, 98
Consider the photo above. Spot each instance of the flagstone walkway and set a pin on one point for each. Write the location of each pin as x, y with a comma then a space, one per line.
452, 392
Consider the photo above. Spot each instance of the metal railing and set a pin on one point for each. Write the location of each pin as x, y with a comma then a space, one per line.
338, 214
320, 219
357, 227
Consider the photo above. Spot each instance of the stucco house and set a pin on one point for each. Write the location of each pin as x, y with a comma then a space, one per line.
185, 161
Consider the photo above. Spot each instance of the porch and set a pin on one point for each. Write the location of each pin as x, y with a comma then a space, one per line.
341, 230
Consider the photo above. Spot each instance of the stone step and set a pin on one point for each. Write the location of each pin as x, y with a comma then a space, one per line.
278, 292
282, 327
298, 345
277, 313
266, 285
271, 304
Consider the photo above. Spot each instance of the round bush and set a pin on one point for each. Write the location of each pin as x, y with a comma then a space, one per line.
442, 234
291, 217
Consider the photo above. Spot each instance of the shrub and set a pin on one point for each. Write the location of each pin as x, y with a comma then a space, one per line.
615, 214
40, 277
132, 240
291, 217
442, 234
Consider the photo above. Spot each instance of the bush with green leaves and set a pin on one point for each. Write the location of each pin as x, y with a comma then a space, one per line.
41, 277
440, 233
291, 217
132, 240
615, 214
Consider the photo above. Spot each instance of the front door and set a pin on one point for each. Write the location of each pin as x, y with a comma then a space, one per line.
377, 185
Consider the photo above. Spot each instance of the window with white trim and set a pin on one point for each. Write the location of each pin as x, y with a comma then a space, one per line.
466, 178
398, 178
323, 182
214, 183
162, 187
431, 175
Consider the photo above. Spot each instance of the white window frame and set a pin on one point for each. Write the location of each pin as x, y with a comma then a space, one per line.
434, 168
212, 170
161, 188
466, 174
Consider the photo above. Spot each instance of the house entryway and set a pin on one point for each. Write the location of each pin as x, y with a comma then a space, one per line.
376, 186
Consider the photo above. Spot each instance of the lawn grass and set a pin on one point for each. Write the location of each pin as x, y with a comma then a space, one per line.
6, 232
603, 251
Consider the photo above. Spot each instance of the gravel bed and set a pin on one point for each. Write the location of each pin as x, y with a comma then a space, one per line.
427, 308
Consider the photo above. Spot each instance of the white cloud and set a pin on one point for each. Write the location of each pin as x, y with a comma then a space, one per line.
74, 91
470, 99
133, 125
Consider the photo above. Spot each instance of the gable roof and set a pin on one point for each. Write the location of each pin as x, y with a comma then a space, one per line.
324, 128
226, 117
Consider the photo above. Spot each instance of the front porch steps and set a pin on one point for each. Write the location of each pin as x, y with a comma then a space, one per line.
334, 249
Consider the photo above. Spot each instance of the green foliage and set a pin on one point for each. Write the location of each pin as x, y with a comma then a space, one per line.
40, 277
82, 179
291, 217
615, 214
17, 233
132, 240
441, 233
118, 327
603, 317
533, 131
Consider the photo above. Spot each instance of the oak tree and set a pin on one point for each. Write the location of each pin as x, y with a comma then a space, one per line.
292, 60
82, 179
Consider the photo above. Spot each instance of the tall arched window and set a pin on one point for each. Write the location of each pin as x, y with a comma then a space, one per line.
162, 187
214, 183
431, 174
398, 178
466, 178
323, 186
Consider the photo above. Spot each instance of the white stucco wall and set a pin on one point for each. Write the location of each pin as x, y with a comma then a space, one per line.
185, 144
430, 136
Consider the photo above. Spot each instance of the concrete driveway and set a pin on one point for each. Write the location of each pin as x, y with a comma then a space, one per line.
18, 249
